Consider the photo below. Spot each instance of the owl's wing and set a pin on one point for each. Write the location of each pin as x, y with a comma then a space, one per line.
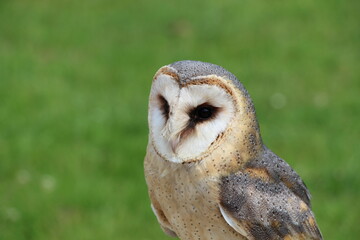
164, 224
267, 200
160, 216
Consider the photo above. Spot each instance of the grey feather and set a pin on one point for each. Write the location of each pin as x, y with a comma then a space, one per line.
189, 69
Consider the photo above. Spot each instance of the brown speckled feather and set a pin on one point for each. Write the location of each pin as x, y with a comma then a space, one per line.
267, 200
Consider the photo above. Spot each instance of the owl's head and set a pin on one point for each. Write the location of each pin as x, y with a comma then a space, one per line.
193, 106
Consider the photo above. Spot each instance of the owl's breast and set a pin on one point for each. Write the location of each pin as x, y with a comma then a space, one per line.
188, 197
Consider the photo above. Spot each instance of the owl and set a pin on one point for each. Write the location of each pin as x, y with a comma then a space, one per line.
208, 172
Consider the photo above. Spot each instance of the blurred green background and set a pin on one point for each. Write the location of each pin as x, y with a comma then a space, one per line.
74, 83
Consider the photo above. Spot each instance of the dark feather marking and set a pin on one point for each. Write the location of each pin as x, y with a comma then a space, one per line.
260, 232
165, 108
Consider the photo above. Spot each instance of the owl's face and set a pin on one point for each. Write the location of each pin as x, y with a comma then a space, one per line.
187, 119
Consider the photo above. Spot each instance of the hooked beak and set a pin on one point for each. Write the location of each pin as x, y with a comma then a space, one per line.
173, 133
174, 142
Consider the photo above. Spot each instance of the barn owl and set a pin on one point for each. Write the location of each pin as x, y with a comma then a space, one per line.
209, 175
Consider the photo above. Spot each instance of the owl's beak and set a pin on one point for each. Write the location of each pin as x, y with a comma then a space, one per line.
173, 132
174, 142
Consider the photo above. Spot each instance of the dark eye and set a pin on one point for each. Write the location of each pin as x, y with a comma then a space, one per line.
164, 105
204, 112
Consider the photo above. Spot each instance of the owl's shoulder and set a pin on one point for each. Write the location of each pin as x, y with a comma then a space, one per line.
279, 171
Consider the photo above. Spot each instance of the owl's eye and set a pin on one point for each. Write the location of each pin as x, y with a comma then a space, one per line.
203, 112
164, 106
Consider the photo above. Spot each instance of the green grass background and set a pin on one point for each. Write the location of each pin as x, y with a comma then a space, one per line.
74, 83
